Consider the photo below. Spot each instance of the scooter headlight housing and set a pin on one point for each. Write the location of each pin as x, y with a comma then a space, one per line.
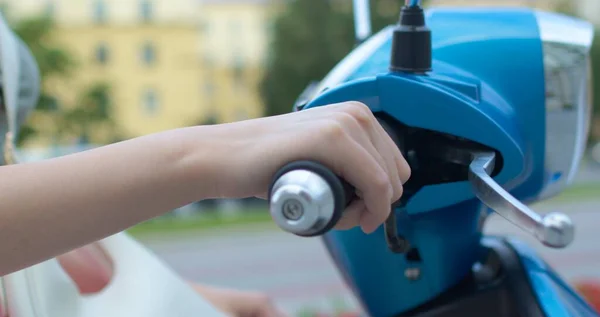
567, 66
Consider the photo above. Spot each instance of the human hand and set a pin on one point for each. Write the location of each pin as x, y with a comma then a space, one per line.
239, 303
345, 137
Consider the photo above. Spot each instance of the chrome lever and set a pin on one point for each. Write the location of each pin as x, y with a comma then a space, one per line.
555, 230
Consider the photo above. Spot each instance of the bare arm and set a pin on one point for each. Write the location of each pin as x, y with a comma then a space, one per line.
53, 206
48, 208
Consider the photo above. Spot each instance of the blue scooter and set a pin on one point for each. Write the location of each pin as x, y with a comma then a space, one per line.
490, 107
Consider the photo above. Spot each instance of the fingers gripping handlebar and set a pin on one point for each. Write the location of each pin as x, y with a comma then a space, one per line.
308, 199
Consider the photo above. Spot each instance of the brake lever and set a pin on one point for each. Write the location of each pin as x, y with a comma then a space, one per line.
395, 242
554, 230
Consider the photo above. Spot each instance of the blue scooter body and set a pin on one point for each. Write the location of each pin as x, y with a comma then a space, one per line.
488, 86
555, 297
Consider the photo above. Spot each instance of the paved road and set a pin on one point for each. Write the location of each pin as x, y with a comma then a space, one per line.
297, 272
589, 172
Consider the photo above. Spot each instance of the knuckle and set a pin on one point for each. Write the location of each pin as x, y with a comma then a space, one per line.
334, 130
361, 113
343, 117
381, 182
405, 175
347, 120
404, 171
358, 106
399, 193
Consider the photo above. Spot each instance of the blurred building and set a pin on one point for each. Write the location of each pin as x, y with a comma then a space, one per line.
588, 9
173, 63
235, 37
169, 63
541, 4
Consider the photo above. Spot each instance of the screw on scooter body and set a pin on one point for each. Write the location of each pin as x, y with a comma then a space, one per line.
490, 107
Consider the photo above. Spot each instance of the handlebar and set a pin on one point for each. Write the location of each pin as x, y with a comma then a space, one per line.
308, 199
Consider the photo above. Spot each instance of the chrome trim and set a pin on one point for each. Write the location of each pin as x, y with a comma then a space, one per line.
566, 44
312, 198
554, 230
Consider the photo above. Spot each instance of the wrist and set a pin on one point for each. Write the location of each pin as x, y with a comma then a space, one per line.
201, 160
226, 160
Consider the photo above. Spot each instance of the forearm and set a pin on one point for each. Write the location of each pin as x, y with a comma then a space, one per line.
53, 206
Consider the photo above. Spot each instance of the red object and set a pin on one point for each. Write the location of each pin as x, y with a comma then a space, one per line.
89, 267
591, 292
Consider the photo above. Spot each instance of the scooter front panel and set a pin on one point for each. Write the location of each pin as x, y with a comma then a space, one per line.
382, 280
498, 48
487, 88
556, 298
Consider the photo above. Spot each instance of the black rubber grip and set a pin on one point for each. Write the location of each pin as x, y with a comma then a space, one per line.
343, 192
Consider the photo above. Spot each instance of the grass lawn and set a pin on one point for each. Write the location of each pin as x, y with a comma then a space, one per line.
579, 192
213, 220
198, 223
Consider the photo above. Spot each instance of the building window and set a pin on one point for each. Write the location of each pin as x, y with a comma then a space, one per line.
241, 114
208, 61
146, 10
99, 11
49, 9
209, 89
238, 71
102, 54
148, 54
103, 101
204, 26
150, 102
49, 103
235, 27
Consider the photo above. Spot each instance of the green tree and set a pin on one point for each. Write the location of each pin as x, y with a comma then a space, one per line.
92, 112
595, 60
52, 61
92, 107
309, 38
